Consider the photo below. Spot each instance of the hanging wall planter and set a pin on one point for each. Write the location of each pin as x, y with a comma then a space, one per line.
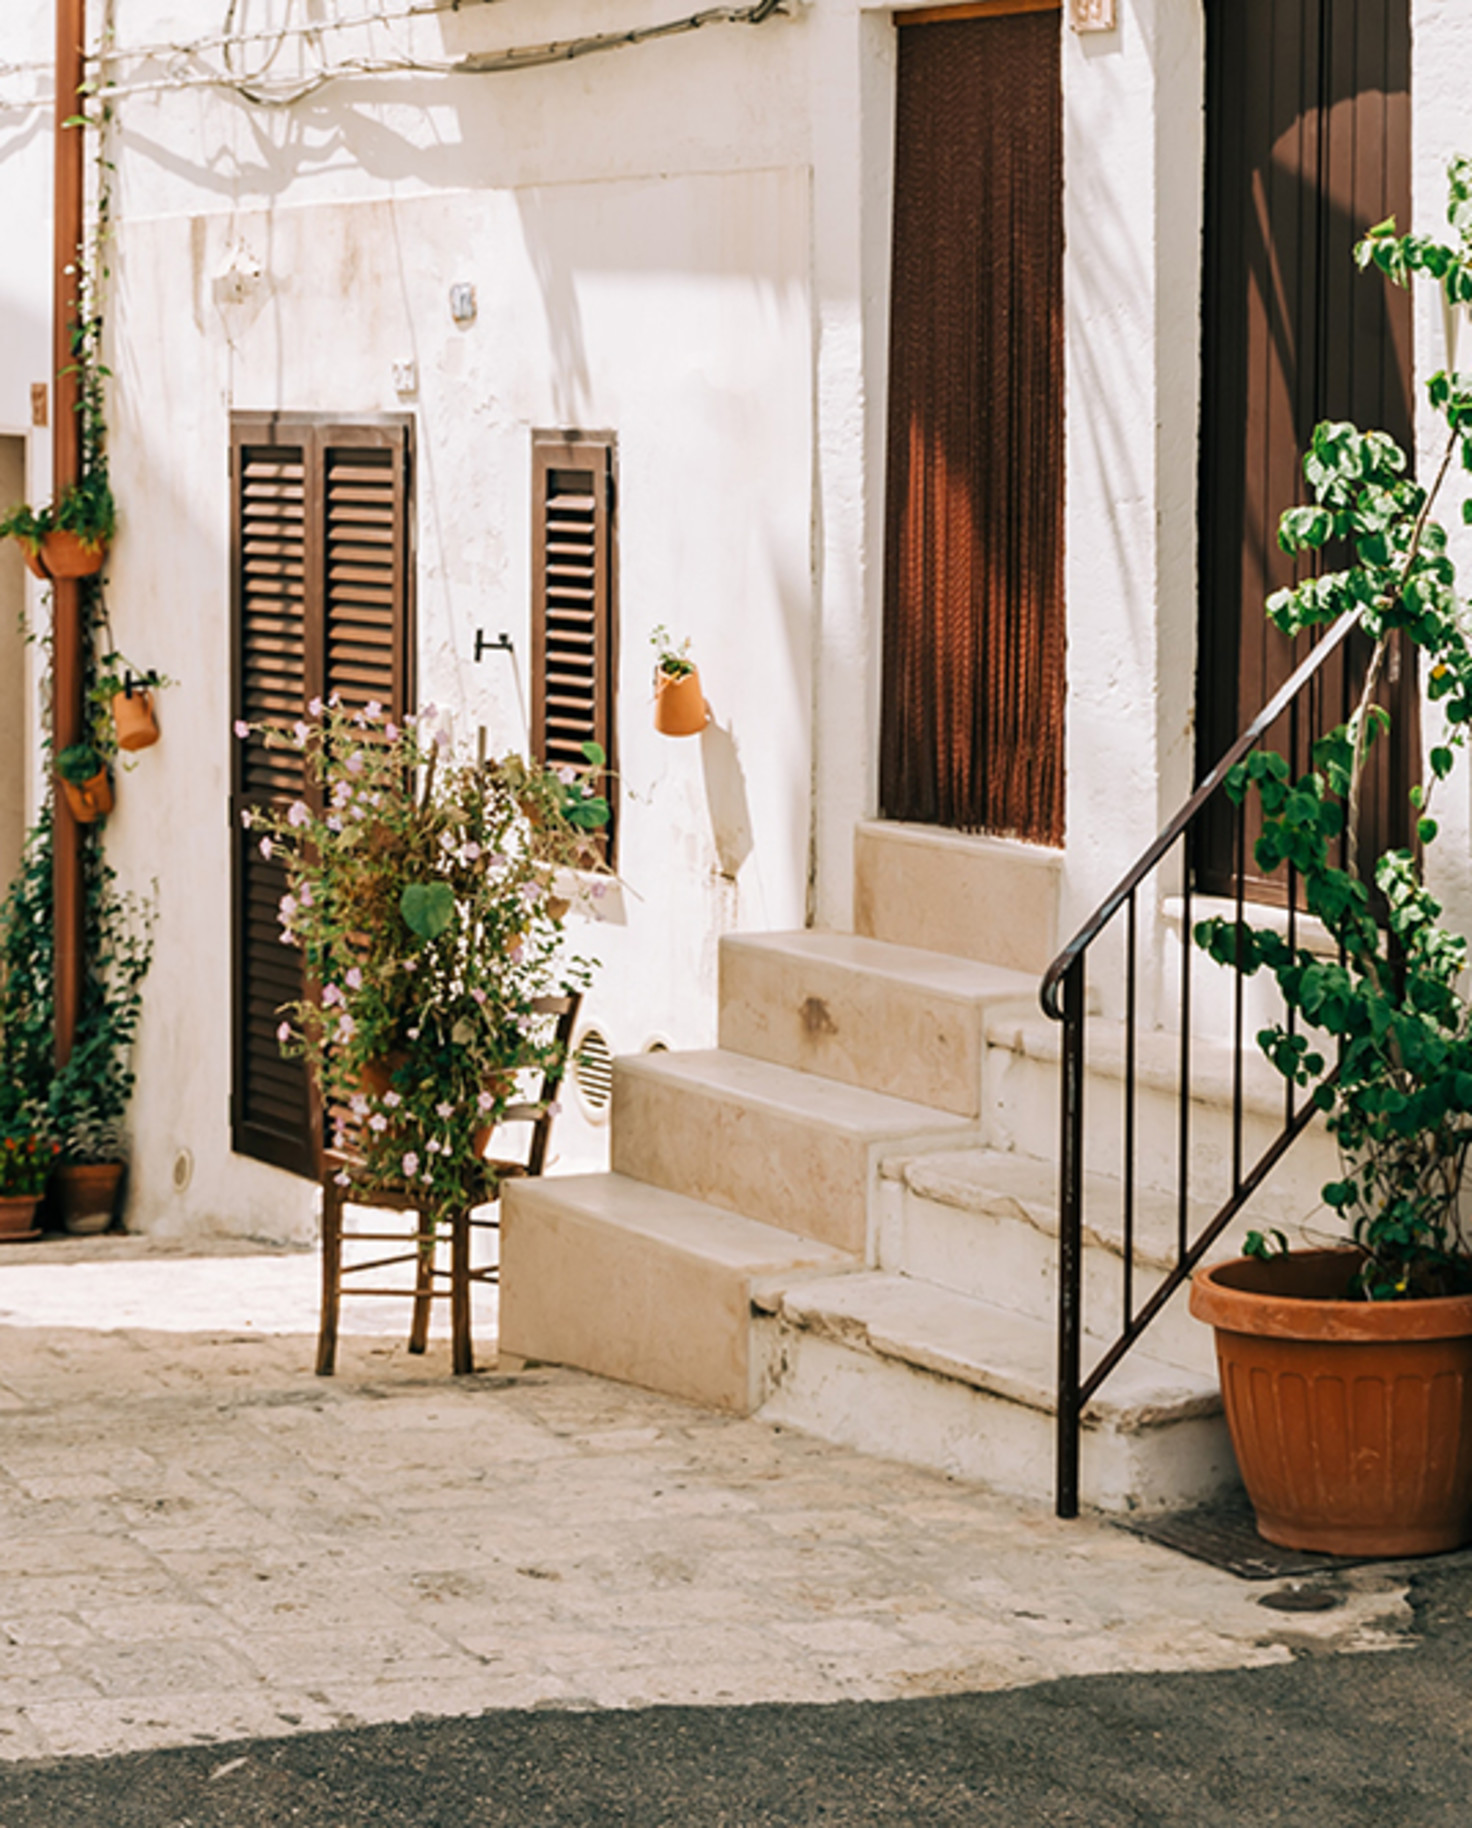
82, 771
67, 555
679, 704
68, 539
134, 719
1351, 1419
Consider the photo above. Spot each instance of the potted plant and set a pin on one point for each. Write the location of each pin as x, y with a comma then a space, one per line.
68, 538
25, 1164
124, 693
679, 706
82, 769
1347, 1375
423, 894
87, 1100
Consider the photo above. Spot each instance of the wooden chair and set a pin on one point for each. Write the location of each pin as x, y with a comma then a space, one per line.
432, 1282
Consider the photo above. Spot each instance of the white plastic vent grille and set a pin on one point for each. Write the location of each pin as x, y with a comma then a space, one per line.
592, 1071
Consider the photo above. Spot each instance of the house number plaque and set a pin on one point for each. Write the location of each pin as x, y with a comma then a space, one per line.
1092, 15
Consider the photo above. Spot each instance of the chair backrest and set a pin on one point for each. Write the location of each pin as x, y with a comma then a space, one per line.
540, 1114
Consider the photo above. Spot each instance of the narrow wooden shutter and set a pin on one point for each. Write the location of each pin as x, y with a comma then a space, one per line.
573, 599
270, 1099
323, 603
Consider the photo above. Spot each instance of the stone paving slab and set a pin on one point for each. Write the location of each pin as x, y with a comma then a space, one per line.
209, 1543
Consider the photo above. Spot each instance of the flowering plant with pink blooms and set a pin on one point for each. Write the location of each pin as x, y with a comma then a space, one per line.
428, 897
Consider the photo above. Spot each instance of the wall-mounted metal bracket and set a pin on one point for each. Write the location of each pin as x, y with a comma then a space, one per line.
484, 645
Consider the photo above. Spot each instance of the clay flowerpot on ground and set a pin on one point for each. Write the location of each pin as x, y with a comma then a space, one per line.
1345, 1375
82, 770
84, 1195
25, 1163
679, 705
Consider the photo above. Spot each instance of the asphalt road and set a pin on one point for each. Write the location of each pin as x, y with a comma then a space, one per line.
1380, 1740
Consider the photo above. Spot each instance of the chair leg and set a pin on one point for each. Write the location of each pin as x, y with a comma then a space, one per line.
423, 1285
464, 1354
331, 1278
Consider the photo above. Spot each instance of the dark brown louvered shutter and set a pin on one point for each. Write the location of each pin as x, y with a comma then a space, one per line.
322, 592
974, 683
573, 598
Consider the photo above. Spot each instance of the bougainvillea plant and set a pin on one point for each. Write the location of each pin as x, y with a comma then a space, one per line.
428, 897
1391, 1007
25, 1166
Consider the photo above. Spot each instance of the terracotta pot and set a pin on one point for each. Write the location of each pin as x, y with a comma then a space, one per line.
66, 555
679, 705
84, 1195
33, 561
18, 1216
1351, 1420
132, 714
90, 801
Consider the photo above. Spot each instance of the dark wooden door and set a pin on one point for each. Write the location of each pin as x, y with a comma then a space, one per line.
1308, 145
972, 718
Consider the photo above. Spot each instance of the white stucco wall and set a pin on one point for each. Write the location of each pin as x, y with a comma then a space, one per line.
621, 286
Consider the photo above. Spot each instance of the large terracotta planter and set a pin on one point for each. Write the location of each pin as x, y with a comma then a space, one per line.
679, 704
1351, 1420
133, 718
89, 800
18, 1217
84, 1195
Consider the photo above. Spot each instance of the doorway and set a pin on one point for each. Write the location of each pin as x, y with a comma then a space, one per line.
971, 729
13, 721
1307, 146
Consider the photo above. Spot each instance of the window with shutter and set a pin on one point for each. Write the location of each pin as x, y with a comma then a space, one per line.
574, 627
323, 603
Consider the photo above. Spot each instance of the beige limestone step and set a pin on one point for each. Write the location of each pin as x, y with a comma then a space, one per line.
631, 1282
778, 1145
1021, 1082
994, 900
985, 1224
895, 1019
893, 1365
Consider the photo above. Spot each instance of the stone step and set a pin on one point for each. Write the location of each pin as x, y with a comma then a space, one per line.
891, 1365
985, 1224
628, 1281
781, 1146
1021, 1083
990, 899
894, 1019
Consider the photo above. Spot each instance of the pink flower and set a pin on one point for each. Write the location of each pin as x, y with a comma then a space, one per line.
299, 731
478, 995
354, 978
392, 1099
246, 818
283, 1033
267, 847
333, 822
411, 964
600, 889
287, 910
391, 731
373, 708
315, 707
358, 1104
355, 763
242, 728
306, 894
444, 1109
297, 814
378, 1122
332, 997
343, 1178
346, 1028
484, 1101
410, 1165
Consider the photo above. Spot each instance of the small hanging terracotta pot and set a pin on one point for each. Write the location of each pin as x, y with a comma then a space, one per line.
90, 801
67, 555
18, 1217
32, 558
132, 713
679, 705
85, 1195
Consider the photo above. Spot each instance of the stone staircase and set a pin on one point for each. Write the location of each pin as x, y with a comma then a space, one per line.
844, 1217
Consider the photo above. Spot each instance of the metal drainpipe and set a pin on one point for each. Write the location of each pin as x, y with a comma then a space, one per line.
68, 708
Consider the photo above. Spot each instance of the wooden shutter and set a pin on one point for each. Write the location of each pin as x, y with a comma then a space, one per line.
573, 599
321, 560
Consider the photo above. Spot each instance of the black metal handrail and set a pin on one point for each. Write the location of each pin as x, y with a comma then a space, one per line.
1064, 997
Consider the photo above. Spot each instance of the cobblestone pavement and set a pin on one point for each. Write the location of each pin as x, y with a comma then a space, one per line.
209, 1543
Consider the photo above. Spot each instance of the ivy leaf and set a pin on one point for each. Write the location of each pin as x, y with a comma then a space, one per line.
428, 908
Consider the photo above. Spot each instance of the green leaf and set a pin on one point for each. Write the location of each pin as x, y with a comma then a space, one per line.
1426, 830
428, 908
